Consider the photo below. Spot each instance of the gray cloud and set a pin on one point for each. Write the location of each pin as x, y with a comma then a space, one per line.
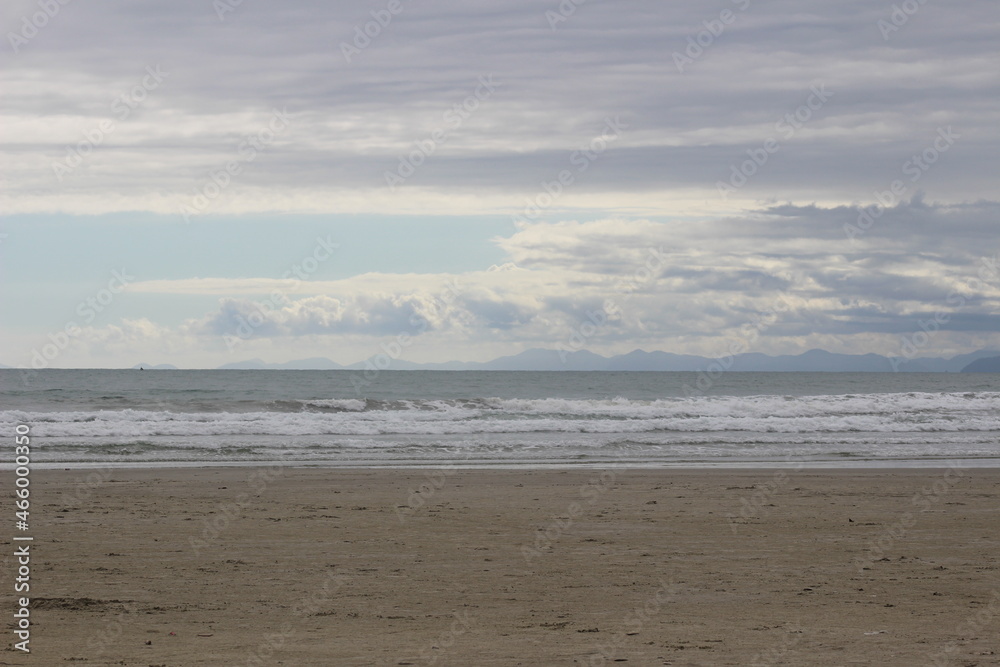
354, 119
808, 287
714, 258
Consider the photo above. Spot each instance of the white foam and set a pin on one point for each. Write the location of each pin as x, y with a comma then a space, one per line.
346, 404
874, 413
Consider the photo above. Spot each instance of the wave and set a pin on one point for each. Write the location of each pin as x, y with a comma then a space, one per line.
857, 413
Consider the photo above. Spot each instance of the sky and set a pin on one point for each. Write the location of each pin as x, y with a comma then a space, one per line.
201, 182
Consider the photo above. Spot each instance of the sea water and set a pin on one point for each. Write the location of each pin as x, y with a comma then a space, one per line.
85, 418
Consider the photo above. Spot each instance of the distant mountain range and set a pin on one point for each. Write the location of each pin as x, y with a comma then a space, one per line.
987, 365
538, 359
639, 360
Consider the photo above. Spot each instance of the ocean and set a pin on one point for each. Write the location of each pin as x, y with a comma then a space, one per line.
131, 418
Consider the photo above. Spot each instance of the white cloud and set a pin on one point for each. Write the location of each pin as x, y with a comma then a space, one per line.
687, 289
650, 199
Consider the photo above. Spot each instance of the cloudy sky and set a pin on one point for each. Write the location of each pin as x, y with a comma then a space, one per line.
198, 182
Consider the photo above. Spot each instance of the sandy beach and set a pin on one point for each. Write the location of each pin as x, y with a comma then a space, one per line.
272, 566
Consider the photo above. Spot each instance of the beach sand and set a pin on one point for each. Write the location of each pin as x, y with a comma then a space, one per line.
250, 566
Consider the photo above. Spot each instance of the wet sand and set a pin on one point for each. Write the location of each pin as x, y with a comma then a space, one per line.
248, 566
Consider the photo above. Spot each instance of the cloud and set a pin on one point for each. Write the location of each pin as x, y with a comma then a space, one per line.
745, 180
657, 287
353, 121
369, 314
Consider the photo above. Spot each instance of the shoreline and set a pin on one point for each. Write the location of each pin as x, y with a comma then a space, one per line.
845, 464
317, 566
